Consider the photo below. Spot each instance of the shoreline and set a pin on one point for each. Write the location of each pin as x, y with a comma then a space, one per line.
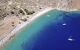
23, 24
67, 10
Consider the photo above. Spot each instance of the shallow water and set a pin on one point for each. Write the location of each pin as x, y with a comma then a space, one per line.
55, 30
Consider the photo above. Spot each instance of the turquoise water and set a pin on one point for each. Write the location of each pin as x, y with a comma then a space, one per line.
28, 32
49, 33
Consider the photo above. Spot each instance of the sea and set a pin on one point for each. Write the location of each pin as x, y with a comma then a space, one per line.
54, 30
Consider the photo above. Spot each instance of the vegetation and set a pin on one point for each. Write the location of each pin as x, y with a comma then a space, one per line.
29, 12
3, 14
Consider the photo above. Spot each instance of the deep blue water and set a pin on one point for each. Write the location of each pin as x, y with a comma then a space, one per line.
59, 31
55, 36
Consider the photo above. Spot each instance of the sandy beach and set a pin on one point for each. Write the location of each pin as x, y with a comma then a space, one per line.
23, 24
6, 37
12, 24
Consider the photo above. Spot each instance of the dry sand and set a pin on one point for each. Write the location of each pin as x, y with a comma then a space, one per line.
8, 25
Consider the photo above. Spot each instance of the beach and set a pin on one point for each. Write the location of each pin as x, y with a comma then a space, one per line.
13, 23
6, 25
6, 37
23, 24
